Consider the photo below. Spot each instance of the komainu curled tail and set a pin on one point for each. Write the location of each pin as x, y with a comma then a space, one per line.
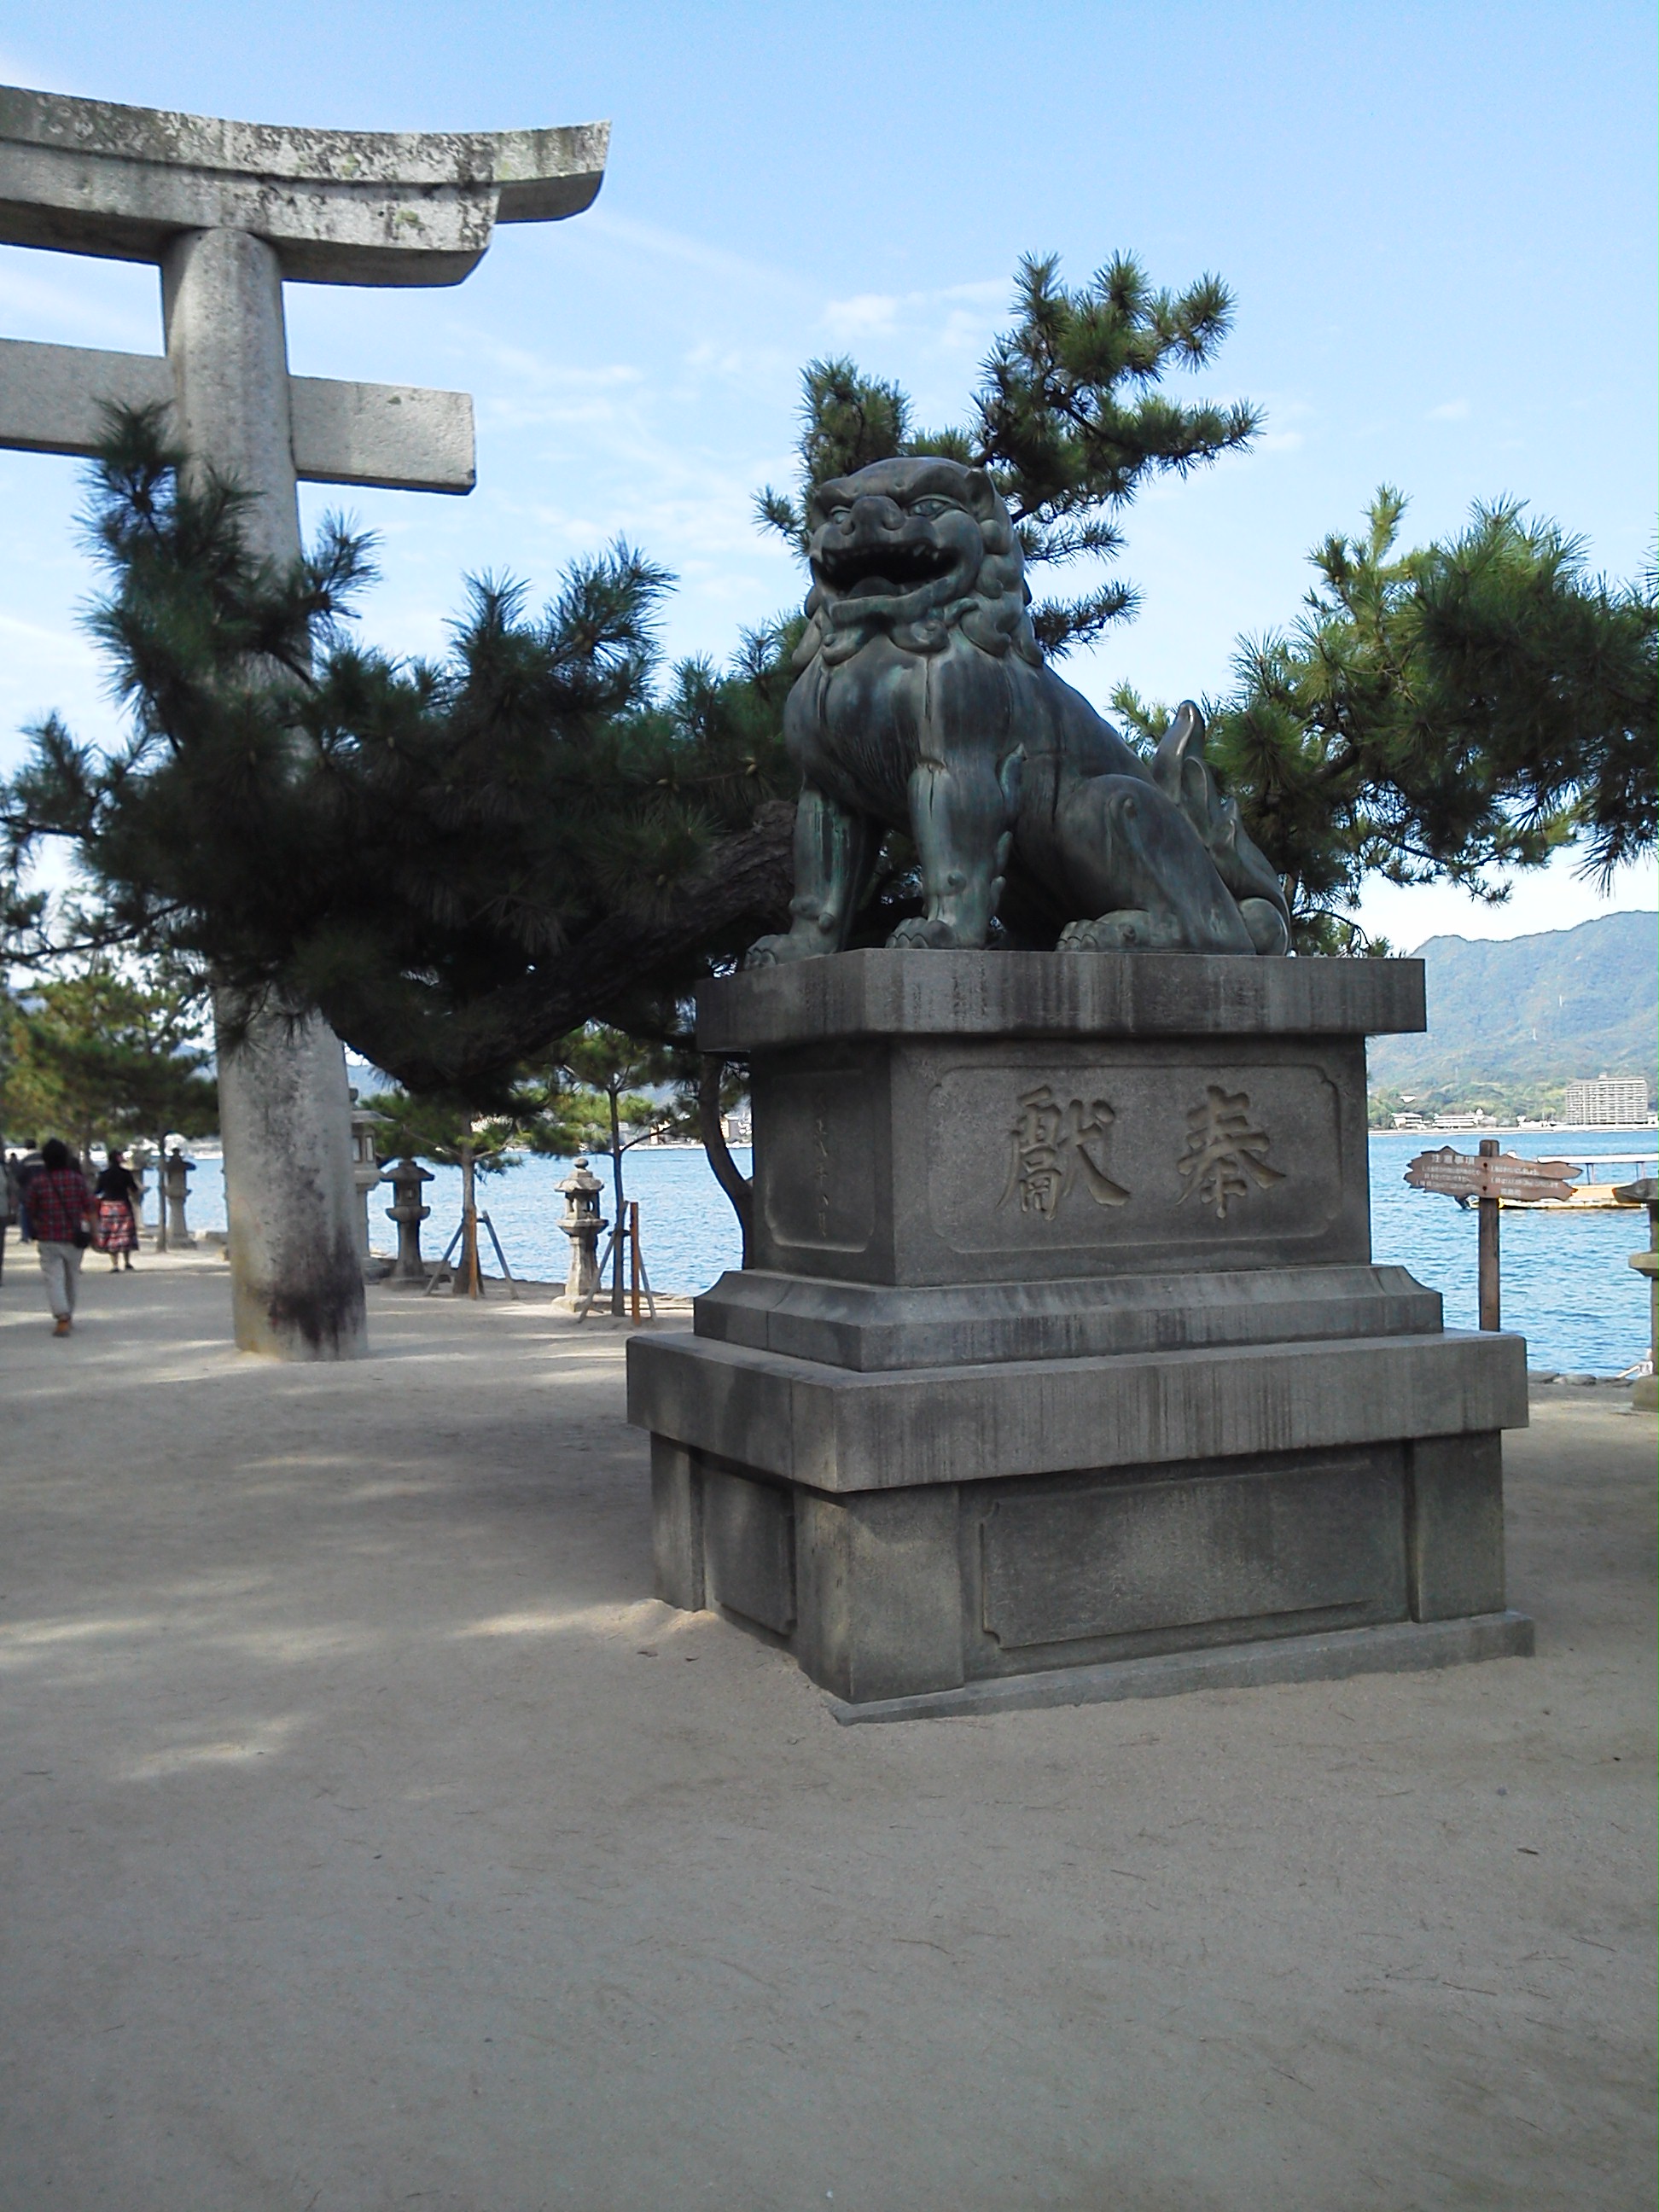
1181, 772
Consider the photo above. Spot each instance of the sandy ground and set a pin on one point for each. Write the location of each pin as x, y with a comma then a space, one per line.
372, 1839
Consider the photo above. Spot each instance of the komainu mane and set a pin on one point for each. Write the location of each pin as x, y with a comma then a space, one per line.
923, 704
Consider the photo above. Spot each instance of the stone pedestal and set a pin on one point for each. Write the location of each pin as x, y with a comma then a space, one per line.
366, 1177
407, 1211
175, 1195
584, 1224
1063, 1348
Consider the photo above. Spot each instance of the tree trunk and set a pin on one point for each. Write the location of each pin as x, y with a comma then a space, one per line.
727, 1174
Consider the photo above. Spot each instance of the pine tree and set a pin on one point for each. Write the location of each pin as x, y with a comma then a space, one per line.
458, 862
432, 1129
1070, 419
99, 1056
1441, 713
597, 1101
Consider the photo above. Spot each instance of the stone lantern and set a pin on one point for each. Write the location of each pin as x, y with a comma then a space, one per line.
175, 1186
584, 1226
409, 1213
365, 1166
138, 1161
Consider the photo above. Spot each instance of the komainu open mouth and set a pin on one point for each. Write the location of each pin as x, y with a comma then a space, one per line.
884, 571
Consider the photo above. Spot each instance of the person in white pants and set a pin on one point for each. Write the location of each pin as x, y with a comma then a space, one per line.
60, 1217
61, 1265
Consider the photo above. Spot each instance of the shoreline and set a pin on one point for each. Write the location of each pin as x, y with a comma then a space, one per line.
1535, 1129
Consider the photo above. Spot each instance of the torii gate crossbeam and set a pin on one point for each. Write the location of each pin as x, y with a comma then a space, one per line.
229, 211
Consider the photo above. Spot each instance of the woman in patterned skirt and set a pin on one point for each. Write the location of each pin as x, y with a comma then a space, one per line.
118, 1214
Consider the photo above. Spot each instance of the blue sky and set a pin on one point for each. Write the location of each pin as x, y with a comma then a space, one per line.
1437, 222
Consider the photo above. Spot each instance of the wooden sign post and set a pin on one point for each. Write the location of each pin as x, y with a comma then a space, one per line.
1494, 1179
1490, 1288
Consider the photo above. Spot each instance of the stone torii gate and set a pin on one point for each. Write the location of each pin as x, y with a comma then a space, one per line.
227, 212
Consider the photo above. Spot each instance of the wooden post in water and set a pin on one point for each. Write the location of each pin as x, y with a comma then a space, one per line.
1490, 1301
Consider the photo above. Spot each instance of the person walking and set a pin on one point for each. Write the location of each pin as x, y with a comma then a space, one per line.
26, 1170
11, 1204
60, 1219
116, 1191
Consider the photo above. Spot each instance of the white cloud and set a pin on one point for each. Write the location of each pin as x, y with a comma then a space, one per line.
846, 320
1450, 411
954, 318
36, 75
42, 642
533, 368
76, 305
748, 365
1555, 896
650, 239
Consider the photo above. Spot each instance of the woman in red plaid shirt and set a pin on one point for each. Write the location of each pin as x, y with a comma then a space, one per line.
60, 1221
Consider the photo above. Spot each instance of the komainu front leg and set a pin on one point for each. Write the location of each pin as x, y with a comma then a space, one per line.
833, 848
962, 820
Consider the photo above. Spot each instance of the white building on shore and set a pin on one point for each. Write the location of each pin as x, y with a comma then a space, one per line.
1611, 1101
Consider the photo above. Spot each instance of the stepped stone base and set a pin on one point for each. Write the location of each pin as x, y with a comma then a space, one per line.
1064, 1360
870, 1327
910, 1533
1399, 1648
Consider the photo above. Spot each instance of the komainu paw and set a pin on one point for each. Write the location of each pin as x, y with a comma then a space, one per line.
1112, 932
936, 936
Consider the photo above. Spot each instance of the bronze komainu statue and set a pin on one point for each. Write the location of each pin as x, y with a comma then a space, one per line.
923, 704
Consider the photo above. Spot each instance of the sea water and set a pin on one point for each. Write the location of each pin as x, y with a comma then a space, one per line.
1565, 1284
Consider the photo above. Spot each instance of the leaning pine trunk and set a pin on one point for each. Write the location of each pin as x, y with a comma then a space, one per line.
727, 1174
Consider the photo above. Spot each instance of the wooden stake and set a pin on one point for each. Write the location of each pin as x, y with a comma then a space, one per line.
633, 1254
1490, 1302
468, 1279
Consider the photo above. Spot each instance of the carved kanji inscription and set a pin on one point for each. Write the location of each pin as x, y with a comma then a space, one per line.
1224, 1154
1055, 1145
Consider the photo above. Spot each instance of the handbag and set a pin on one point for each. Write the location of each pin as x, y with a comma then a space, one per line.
82, 1237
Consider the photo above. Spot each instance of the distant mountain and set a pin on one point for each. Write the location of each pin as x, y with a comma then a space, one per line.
1543, 1009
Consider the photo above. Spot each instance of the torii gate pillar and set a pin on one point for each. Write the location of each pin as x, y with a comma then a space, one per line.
229, 212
